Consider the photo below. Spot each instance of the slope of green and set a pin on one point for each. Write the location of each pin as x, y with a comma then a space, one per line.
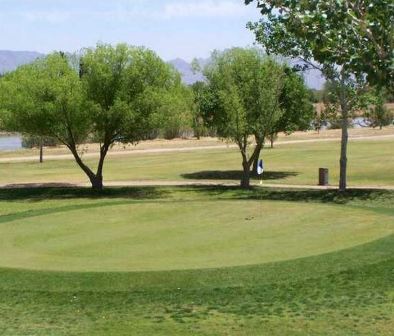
182, 234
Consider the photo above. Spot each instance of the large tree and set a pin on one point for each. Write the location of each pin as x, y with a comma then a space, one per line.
115, 94
244, 102
351, 41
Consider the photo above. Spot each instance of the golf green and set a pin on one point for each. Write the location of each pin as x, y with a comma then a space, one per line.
164, 235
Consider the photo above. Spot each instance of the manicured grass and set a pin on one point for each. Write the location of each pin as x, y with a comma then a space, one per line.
343, 292
181, 234
370, 163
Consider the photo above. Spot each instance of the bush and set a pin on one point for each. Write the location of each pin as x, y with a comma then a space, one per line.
380, 116
32, 141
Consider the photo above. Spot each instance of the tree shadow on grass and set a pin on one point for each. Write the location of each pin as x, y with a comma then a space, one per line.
200, 193
293, 195
236, 175
46, 193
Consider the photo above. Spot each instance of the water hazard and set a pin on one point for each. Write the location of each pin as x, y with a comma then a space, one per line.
10, 142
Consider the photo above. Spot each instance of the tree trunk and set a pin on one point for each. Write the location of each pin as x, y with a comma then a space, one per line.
259, 147
95, 179
344, 141
41, 151
245, 181
97, 182
272, 142
247, 163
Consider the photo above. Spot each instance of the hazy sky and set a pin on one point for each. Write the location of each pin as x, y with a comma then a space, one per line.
173, 28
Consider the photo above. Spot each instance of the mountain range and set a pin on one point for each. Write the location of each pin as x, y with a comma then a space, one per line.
10, 60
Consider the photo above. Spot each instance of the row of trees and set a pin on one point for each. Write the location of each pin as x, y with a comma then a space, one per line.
374, 108
123, 94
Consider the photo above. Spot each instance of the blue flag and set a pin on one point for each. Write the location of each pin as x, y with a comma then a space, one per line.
260, 167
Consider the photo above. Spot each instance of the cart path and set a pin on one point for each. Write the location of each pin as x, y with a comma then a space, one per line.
180, 183
181, 149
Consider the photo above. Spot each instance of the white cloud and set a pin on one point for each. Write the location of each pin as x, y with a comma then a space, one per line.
125, 10
204, 8
47, 16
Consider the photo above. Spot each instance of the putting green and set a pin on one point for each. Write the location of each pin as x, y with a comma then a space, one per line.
183, 235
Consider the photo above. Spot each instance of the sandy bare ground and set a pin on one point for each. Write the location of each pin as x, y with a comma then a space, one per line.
192, 142
161, 183
188, 148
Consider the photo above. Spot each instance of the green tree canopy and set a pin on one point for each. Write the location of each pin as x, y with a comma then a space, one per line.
201, 99
117, 95
356, 35
295, 101
45, 98
248, 96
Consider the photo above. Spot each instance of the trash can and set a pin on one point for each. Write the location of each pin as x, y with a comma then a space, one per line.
323, 176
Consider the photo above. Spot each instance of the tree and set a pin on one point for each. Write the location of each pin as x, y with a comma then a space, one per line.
44, 99
245, 98
319, 119
350, 41
201, 99
176, 113
31, 141
295, 101
115, 95
378, 114
316, 95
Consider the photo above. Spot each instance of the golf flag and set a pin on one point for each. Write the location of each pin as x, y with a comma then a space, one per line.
260, 167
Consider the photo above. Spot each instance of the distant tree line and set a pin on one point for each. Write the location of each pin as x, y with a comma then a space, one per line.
373, 109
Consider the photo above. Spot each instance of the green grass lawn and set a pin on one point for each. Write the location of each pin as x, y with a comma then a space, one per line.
196, 261
370, 163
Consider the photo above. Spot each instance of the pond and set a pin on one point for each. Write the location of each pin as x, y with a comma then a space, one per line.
10, 142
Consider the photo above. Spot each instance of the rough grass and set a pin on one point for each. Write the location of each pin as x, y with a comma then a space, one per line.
345, 292
370, 163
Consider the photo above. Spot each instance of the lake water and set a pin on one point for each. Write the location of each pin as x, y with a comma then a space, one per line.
10, 142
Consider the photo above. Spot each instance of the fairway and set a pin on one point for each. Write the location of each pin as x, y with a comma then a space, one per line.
371, 163
181, 235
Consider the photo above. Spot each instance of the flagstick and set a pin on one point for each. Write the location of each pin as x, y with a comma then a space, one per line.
260, 171
261, 197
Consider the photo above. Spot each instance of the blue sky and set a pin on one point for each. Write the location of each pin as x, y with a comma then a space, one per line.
173, 28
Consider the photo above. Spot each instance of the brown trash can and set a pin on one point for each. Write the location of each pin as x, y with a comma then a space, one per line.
323, 176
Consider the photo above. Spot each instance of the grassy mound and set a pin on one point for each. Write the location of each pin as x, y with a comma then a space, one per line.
166, 235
